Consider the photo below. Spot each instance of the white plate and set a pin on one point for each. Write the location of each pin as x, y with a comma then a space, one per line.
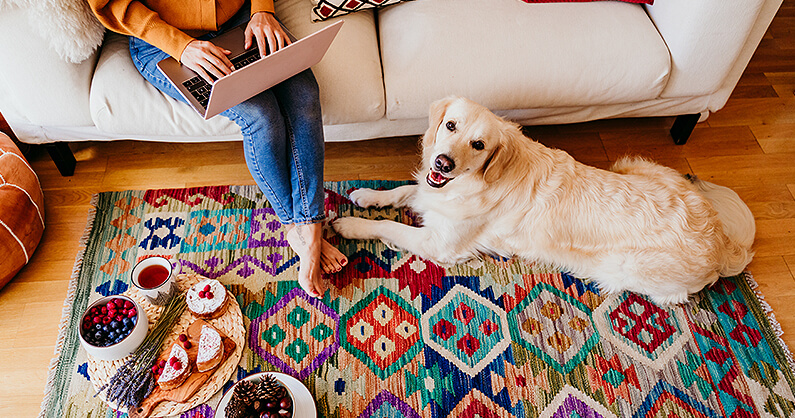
303, 403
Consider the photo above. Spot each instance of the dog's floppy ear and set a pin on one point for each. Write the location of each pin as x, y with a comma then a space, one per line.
502, 156
438, 109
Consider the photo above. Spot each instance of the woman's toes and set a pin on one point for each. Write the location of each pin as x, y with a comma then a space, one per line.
315, 288
332, 259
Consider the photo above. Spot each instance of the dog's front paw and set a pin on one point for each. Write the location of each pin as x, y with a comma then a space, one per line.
366, 198
354, 228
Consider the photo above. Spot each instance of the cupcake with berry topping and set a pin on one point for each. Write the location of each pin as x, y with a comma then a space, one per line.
207, 299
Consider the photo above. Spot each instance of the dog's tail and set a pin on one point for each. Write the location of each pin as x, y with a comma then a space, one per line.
738, 225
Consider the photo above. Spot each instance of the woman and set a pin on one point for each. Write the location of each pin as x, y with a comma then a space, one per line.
282, 127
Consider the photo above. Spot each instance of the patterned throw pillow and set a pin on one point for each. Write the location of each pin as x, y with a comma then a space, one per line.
327, 9
583, 1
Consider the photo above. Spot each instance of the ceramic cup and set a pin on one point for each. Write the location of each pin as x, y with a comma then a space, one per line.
154, 277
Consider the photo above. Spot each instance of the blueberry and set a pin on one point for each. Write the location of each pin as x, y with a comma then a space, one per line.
115, 324
127, 322
112, 335
97, 327
134, 319
105, 328
98, 335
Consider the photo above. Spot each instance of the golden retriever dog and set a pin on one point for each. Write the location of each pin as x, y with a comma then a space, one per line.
485, 188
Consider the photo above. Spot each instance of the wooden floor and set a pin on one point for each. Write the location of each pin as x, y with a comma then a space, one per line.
749, 145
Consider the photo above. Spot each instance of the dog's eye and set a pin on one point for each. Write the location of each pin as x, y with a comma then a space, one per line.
478, 145
450, 126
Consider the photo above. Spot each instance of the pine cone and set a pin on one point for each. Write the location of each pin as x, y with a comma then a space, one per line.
269, 389
236, 409
245, 392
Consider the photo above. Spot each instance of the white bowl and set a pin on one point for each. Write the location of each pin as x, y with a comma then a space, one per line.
303, 404
124, 347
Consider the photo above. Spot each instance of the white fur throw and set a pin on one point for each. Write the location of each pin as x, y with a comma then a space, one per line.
68, 25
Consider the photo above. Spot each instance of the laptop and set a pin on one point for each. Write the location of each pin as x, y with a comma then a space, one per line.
253, 74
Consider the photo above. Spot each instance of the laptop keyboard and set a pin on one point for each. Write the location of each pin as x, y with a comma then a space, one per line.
200, 89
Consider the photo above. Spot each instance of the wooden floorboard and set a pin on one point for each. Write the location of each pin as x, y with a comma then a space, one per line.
748, 145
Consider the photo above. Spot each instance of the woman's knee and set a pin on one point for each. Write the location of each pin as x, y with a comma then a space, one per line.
302, 89
259, 115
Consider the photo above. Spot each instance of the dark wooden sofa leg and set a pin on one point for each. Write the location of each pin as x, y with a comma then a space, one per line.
62, 157
682, 128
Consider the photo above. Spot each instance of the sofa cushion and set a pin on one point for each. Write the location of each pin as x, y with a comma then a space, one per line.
351, 87
513, 55
328, 9
585, 1
40, 88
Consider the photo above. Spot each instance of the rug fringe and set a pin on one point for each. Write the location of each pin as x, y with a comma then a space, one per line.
66, 312
771, 317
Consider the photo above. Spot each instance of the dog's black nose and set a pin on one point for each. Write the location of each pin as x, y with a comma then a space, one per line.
444, 163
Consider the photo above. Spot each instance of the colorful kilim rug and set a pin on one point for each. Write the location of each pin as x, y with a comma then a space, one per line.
398, 336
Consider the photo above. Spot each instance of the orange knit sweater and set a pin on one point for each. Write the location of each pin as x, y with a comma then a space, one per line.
168, 24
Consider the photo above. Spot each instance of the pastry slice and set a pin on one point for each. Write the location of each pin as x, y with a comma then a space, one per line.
176, 370
211, 349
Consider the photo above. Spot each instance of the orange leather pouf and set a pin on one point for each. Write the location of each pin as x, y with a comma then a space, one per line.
21, 210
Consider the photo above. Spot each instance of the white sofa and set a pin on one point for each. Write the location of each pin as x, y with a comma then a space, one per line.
547, 63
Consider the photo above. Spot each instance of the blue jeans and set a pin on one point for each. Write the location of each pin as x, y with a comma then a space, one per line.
282, 135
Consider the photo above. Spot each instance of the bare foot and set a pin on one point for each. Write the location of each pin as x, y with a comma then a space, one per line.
306, 241
331, 259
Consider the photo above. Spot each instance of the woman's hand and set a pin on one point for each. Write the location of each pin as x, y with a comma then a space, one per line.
264, 27
205, 58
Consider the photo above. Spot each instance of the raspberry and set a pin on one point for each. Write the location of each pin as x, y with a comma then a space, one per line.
209, 295
128, 305
187, 345
202, 294
177, 365
183, 337
131, 313
206, 288
161, 364
96, 320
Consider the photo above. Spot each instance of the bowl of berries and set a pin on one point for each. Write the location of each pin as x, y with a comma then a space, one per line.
113, 327
267, 395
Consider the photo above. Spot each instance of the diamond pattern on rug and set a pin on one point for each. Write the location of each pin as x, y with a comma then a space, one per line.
571, 402
562, 335
467, 329
311, 326
648, 333
399, 336
382, 330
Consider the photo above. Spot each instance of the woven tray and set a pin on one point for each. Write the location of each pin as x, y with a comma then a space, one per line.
231, 323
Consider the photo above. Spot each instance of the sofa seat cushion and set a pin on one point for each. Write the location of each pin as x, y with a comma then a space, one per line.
351, 87
513, 55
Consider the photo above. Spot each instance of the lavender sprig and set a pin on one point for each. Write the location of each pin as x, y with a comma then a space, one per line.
134, 380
